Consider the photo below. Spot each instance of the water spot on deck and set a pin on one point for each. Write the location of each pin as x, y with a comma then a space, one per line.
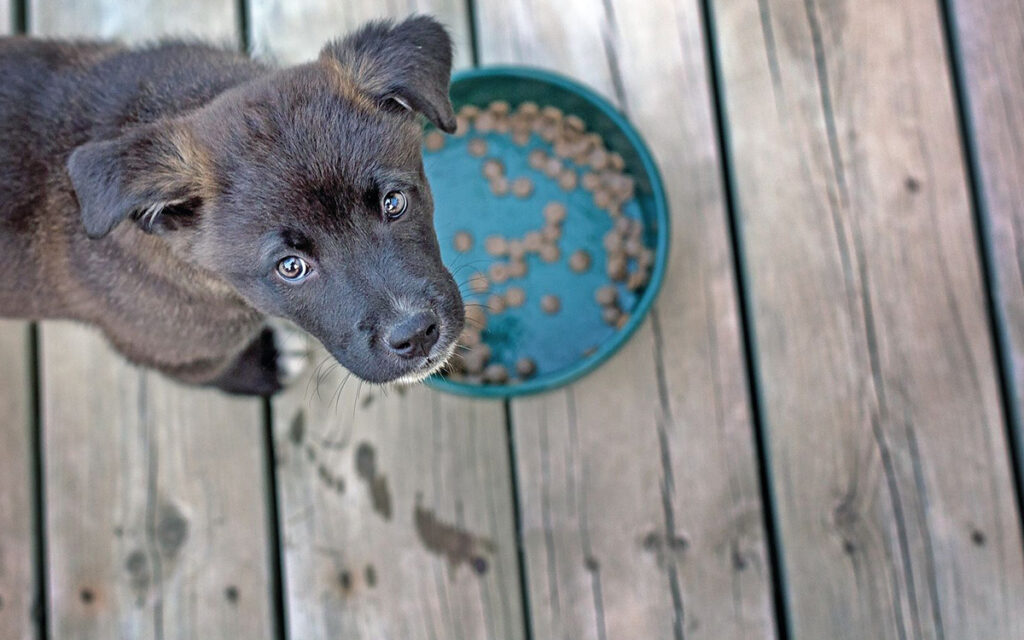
978, 537
345, 579
912, 184
366, 469
448, 540
171, 530
86, 595
591, 564
231, 594
139, 575
297, 428
371, 576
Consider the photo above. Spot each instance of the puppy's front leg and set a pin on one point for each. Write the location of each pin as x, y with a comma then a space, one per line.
275, 358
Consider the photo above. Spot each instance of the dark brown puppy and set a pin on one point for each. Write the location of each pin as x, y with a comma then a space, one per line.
176, 196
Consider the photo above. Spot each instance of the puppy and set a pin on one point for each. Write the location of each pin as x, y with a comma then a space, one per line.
178, 196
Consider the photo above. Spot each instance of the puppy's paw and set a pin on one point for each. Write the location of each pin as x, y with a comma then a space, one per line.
293, 351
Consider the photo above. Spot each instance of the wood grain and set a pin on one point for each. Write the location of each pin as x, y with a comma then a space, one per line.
639, 496
18, 550
889, 457
396, 511
990, 39
155, 493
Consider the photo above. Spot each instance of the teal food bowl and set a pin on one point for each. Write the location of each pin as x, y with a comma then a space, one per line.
574, 341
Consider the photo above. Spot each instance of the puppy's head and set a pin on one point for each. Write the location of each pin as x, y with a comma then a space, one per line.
305, 191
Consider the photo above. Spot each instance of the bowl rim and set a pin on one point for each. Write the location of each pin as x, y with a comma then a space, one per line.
609, 347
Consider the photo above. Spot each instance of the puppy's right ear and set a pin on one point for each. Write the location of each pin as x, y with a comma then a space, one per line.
151, 174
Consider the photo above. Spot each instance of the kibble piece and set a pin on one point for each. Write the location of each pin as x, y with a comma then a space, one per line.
591, 181
495, 304
496, 373
551, 233
469, 111
463, 241
549, 252
500, 107
516, 249
476, 358
554, 213
529, 108
552, 167
613, 241
532, 241
502, 125
598, 159
602, 198
633, 247
461, 126
496, 246
616, 162
498, 272
469, 337
537, 159
477, 147
433, 141
516, 269
637, 280
575, 123
579, 261
526, 367
550, 303
476, 317
485, 122
500, 186
645, 259
567, 180
515, 297
521, 137
607, 295
610, 315
522, 187
478, 282
493, 168
624, 226
617, 267
551, 113
623, 319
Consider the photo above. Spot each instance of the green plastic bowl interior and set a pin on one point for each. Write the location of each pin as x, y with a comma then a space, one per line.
573, 342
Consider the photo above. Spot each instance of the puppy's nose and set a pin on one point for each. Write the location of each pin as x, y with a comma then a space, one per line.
414, 335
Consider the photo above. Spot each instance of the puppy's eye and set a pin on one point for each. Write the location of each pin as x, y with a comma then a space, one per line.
394, 204
293, 268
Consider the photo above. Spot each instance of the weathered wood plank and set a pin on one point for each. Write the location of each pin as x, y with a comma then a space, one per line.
18, 550
638, 485
155, 493
889, 456
990, 38
396, 512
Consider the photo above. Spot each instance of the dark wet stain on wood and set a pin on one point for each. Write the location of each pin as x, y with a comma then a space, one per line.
455, 544
171, 530
366, 469
330, 479
139, 576
978, 537
86, 595
231, 594
665, 548
297, 428
371, 576
345, 580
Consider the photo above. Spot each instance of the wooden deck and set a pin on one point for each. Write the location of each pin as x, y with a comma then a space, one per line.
811, 437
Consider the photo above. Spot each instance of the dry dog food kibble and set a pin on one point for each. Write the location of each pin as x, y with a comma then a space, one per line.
579, 261
568, 157
463, 241
515, 297
477, 147
550, 303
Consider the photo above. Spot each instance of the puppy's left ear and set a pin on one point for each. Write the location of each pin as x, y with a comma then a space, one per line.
403, 66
